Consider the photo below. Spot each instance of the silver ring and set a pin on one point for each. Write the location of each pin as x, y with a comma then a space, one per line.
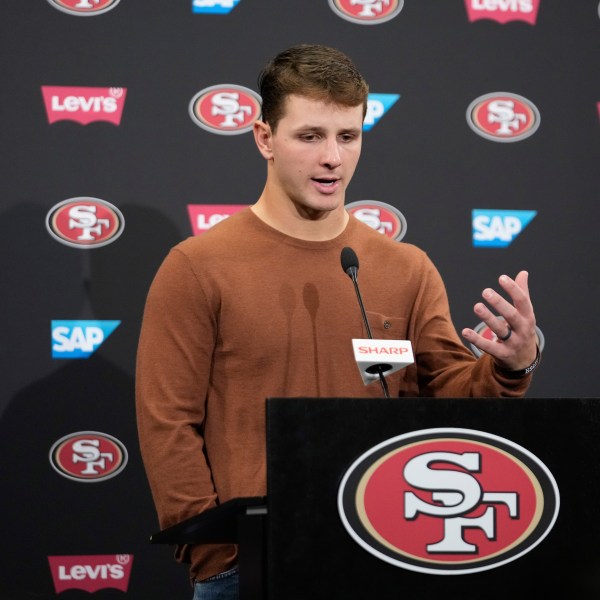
508, 334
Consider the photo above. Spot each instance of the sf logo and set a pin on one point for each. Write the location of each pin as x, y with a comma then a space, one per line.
454, 494
448, 501
83, 218
227, 105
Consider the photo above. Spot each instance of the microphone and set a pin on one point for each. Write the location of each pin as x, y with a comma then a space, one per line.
350, 266
398, 354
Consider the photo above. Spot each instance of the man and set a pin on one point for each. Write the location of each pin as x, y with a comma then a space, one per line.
259, 306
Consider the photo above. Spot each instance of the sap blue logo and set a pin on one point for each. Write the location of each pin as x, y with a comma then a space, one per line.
79, 339
498, 228
214, 7
377, 106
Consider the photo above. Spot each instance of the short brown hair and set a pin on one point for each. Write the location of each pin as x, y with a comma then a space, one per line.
311, 70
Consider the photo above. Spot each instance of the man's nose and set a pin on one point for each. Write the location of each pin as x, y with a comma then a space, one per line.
331, 154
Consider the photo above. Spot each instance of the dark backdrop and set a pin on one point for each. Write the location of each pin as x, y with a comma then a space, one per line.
421, 157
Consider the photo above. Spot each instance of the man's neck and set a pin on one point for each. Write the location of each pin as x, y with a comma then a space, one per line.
300, 223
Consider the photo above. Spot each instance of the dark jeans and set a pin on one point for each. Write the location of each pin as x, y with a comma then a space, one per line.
224, 586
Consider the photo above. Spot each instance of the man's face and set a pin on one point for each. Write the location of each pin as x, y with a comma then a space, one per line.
314, 152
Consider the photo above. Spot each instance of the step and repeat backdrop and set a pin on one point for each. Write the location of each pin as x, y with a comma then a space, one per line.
126, 127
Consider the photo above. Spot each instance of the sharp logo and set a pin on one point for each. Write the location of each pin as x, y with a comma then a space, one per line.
225, 109
382, 217
84, 104
498, 228
84, 8
503, 117
448, 501
367, 12
91, 573
214, 7
503, 11
79, 339
377, 106
85, 222
88, 456
205, 216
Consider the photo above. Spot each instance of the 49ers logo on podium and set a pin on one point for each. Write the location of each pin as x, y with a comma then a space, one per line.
448, 501
84, 8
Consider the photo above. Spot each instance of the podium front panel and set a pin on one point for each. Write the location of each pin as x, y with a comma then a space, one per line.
313, 442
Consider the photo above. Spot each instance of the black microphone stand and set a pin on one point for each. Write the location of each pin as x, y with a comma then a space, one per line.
380, 369
352, 271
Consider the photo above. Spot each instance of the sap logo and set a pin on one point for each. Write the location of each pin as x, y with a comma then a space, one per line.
214, 7
498, 228
79, 339
377, 106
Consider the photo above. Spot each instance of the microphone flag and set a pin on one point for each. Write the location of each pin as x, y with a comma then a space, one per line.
388, 356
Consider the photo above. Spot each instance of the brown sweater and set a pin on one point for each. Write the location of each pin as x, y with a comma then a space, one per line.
243, 313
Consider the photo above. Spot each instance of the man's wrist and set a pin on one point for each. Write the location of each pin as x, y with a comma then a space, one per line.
520, 373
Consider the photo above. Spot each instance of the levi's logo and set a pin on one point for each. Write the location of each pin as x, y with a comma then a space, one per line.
204, 216
91, 573
84, 104
503, 11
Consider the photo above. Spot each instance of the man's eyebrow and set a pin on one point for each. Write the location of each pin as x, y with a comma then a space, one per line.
351, 130
320, 129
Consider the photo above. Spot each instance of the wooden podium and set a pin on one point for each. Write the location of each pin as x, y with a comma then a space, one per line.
301, 547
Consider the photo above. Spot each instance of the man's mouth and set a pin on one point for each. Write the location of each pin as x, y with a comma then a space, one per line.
326, 185
327, 182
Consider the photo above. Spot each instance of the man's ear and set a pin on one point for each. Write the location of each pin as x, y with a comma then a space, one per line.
263, 138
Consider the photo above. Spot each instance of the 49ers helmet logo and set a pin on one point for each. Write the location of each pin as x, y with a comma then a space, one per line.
85, 222
380, 216
448, 501
225, 109
88, 456
367, 12
84, 8
503, 117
